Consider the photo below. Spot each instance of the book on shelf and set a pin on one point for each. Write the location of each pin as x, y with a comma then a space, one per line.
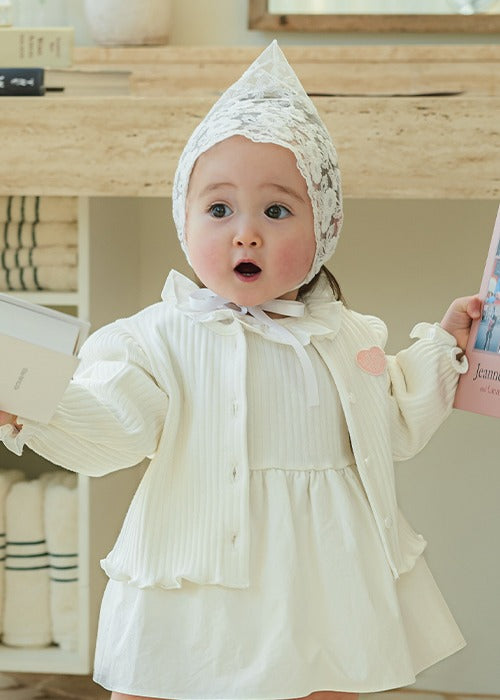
21, 81
85, 82
73, 83
479, 388
38, 356
33, 82
32, 47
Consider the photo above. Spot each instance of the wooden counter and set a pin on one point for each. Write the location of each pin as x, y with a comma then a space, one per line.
417, 122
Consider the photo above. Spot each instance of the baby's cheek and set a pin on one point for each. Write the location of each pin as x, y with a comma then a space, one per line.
297, 258
206, 261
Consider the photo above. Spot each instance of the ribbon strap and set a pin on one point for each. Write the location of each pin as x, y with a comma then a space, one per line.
206, 300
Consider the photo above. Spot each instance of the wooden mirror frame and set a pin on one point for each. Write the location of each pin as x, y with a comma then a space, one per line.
259, 17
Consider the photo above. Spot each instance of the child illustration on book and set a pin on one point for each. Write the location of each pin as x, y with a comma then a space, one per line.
489, 331
264, 554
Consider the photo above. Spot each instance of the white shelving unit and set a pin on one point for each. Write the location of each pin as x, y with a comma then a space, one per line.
108, 288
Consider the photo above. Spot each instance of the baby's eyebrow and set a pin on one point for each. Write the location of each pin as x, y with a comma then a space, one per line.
215, 186
284, 189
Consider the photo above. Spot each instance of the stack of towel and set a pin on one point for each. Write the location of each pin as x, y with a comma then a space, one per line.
8, 477
38, 243
40, 576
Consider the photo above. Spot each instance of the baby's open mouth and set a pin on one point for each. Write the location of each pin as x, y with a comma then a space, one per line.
247, 269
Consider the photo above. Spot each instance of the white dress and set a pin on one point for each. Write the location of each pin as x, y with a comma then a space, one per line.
322, 611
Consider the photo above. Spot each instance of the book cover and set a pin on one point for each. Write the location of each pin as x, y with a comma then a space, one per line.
479, 389
38, 356
21, 81
30, 47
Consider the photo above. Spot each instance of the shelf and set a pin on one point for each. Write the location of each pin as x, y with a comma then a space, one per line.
108, 279
409, 122
41, 660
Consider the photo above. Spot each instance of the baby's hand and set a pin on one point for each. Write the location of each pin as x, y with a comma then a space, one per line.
8, 418
457, 320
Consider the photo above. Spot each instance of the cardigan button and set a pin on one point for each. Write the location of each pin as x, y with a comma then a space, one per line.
235, 407
388, 522
351, 398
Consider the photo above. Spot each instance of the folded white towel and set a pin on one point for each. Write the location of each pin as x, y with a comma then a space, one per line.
30, 208
7, 478
27, 608
60, 255
50, 278
61, 527
25, 235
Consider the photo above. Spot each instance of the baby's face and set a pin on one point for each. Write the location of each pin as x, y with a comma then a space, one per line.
249, 222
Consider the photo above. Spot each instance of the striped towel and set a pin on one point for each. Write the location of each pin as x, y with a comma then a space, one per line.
27, 235
7, 478
27, 601
61, 527
30, 208
36, 256
51, 278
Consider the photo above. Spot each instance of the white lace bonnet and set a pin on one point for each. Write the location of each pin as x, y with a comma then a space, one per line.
269, 105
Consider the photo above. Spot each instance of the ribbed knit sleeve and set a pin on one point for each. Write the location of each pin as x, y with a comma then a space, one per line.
422, 384
111, 415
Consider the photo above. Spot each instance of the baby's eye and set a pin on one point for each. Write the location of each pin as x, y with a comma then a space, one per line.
219, 210
277, 211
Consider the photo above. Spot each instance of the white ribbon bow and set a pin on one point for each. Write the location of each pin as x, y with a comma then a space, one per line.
206, 300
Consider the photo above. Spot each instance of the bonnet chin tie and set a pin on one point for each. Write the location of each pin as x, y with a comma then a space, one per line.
206, 300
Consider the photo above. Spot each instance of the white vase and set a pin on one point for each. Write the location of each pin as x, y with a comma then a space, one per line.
128, 22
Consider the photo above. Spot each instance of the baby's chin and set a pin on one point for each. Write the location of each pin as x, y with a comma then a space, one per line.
250, 293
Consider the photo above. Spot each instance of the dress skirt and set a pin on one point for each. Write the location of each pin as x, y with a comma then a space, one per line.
322, 611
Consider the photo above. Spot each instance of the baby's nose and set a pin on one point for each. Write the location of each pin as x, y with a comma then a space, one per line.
247, 237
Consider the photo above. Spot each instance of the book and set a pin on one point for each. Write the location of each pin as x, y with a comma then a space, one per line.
89, 83
32, 47
71, 82
21, 81
38, 356
479, 388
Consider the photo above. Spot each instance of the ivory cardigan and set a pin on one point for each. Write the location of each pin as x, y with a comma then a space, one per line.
170, 383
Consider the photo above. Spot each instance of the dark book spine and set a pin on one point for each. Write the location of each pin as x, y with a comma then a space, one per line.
21, 81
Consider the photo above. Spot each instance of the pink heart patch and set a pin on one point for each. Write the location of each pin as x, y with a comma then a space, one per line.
372, 360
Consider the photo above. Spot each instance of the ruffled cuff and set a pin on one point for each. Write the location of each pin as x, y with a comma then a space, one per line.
437, 334
14, 439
